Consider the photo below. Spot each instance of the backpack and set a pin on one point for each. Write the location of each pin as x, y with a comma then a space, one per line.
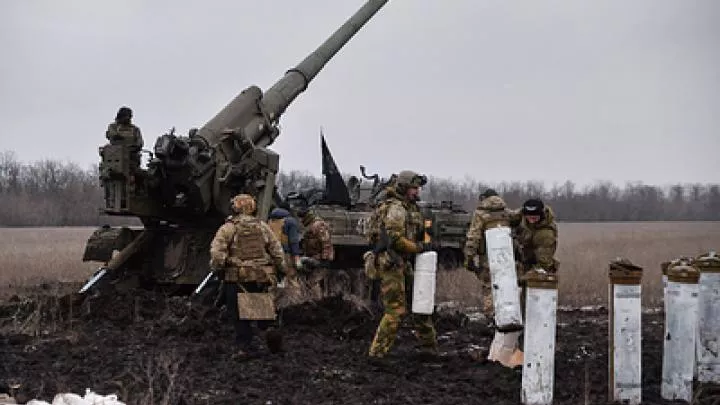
376, 221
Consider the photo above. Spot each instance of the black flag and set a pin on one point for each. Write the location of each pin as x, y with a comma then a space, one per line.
336, 191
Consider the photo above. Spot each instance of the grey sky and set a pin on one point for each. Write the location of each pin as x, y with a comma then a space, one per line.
496, 90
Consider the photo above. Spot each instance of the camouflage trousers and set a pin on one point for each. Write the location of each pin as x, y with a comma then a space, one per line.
396, 293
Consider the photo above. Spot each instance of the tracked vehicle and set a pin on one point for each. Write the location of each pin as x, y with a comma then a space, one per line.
348, 205
183, 195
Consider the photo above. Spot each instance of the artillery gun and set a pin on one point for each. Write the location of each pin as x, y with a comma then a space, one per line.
347, 207
184, 194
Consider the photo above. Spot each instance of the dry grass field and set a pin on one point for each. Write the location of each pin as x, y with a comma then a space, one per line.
30, 256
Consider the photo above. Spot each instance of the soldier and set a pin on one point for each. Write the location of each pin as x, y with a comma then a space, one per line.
491, 212
376, 243
250, 256
287, 230
124, 132
537, 236
404, 225
318, 250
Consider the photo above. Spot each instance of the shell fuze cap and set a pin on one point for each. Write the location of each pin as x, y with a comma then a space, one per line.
533, 207
488, 193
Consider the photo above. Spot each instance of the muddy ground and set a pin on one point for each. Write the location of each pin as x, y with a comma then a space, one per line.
151, 348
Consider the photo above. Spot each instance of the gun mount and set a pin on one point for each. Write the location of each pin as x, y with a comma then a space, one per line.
184, 194
347, 207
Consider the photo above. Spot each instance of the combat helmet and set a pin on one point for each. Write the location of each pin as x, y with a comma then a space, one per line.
407, 179
243, 204
124, 114
488, 193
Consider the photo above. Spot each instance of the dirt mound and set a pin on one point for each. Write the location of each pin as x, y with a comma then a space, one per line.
147, 347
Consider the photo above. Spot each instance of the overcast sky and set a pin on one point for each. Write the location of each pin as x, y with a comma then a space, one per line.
496, 90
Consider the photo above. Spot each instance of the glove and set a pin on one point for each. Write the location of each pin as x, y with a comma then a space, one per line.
424, 247
310, 263
219, 273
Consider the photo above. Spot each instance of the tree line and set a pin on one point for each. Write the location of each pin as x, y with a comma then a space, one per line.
56, 193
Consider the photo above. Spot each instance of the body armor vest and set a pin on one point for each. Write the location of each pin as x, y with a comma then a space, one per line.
496, 219
248, 243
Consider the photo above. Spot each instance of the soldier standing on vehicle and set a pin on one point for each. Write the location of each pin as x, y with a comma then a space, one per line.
491, 212
250, 258
124, 132
318, 251
404, 225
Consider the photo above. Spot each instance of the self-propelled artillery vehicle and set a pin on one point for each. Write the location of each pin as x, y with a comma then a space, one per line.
183, 195
347, 206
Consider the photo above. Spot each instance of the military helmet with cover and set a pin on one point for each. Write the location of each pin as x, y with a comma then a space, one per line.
408, 179
243, 204
488, 193
124, 113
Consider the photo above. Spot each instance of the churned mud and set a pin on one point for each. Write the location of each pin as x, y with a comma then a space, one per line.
152, 348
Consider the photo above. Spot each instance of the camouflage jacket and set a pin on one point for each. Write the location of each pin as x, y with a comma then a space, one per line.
538, 242
375, 221
120, 134
317, 242
491, 212
404, 224
247, 249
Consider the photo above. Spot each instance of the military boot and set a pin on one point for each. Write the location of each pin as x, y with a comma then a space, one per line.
274, 340
428, 352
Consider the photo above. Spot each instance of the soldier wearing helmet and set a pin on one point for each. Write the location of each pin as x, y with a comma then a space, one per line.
318, 251
491, 212
251, 257
537, 236
123, 132
402, 221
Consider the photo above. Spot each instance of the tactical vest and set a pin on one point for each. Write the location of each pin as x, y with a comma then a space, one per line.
276, 224
247, 254
248, 242
494, 219
414, 224
127, 133
414, 227
376, 220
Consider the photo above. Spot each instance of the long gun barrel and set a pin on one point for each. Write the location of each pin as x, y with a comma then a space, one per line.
242, 112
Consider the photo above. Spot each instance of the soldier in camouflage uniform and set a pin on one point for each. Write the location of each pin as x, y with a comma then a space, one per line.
250, 256
537, 236
491, 212
124, 132
318, 250
403, 222
374, 283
